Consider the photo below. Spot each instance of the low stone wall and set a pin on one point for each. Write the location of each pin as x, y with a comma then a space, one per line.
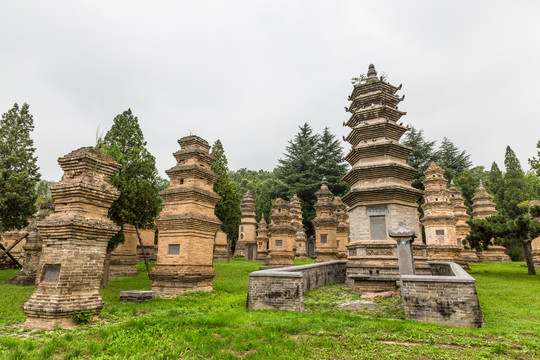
448, 297
284, 288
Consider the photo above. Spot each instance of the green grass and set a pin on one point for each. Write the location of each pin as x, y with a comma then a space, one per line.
217, 325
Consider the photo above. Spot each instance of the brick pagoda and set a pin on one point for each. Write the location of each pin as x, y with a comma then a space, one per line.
342, 235
220, 248
149, 246
262, 239
482, 208
124, 257
462, 228
281, 235
439, 220
32, 251
325, 225
297, 221
381, 194
75, 239
248, 227
187, 223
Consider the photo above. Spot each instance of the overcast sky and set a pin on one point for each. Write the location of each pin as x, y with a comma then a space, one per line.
250, 72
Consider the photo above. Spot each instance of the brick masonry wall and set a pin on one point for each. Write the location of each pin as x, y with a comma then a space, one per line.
447, 298
283, 288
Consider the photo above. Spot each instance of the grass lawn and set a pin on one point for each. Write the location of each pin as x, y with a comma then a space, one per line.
217, 325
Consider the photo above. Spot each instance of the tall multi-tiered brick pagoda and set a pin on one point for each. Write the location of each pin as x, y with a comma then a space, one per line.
247, 228
187, 223
281, 235
75, 239
482, 208
439, 220
325, 225
381, 194
297, 221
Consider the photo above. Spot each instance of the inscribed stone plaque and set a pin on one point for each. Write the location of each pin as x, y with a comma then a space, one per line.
324, 240
28, 257
52, 273
174, 249
376, 210
279, 242
439, 232
378, 227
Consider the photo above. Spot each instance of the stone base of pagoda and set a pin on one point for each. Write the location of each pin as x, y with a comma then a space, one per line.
342, 255
470, 256
27, 275
123, 265
301, 250
279, 259
261, 255
494, 253
220, 254
46, 312
373, 265
447, 254
149, 250
241, 249
171, 280
324, 255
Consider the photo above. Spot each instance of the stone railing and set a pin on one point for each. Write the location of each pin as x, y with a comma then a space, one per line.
448, 297
283, 288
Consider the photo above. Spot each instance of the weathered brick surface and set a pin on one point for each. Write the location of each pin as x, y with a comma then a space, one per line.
325, 224
247, 228
74, 237
284, 288
281, 235
220, 246
448, 297
124, 257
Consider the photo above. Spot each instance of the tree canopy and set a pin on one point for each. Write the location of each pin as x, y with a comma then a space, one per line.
19, 172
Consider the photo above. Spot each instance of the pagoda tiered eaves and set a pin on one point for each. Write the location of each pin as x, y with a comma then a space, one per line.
378, 148
375, 97
380, 170
375, 129
372, 87
373, 112
194, 171
383, 193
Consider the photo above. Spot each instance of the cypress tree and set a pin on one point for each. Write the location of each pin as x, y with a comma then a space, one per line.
422, 155
468, 185
228, 207
139, 202
330, 164
535, 161
515, 189
19, 172
494, 183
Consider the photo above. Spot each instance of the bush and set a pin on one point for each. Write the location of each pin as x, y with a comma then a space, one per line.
516, 253
83, 317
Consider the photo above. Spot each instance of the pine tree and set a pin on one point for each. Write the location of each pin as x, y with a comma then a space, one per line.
329, 162
422, 155
535, 161
452, 160
19, 172
228, 207
515, 189
139, 202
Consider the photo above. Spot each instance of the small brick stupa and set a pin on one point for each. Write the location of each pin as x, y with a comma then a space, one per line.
342, 235
220, 248
297, 221
187, 223
381, 195
482, 208
262, 239
75, 239
462, 228
124, 257
32, 252
281, 235
248, 227
325, 225
439, 220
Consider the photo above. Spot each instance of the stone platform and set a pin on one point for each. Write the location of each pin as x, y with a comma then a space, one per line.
137, 295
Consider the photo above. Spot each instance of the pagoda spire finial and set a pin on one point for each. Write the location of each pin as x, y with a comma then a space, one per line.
372, 73
481, 185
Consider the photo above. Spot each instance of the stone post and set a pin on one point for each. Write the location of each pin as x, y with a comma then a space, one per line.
404, 237
75, 239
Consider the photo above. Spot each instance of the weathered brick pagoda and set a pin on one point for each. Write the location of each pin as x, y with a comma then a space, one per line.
342, 235
124, 257
262, 239
462, 228
482, 208
297, 221
247, 229
439, 220
325, 225
220, 248
381, 194
75, 238
281, 235
187, 223
32, 252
